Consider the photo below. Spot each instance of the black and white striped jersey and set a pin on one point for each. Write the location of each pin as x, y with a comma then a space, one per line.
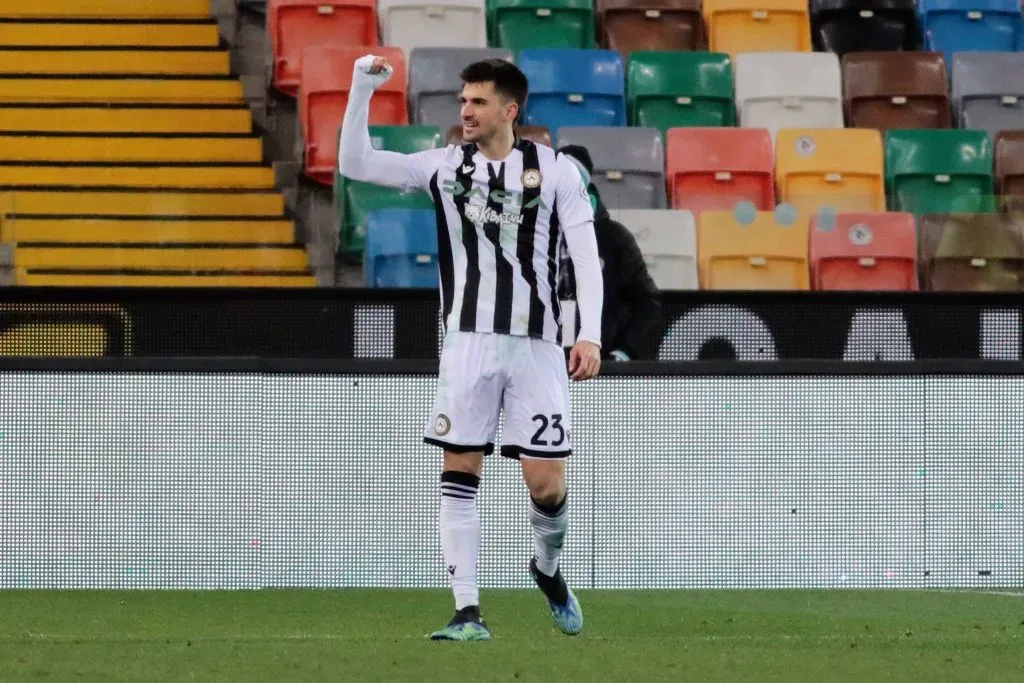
500, 226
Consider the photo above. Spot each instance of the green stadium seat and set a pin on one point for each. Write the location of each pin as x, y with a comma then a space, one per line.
355, 199
519, 24
939, 171
680, 89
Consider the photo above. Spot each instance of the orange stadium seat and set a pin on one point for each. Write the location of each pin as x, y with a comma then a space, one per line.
735, 26
893, 90
965, 252
650, 25
864, 251
842, 169
294, 25
761, 253
323, 96
717, 168
1010, 168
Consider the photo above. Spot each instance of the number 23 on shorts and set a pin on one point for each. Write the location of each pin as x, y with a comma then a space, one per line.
550, 431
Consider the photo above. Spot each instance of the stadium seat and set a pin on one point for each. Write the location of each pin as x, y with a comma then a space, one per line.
896, 90
435, 85
845, 26
629, 164
538, 134
736, 26
1010, 169
717, 168
951, 26
629, 26
939, 171
789, 90
841, 169
863, 251
323, 95
965, 252
668, 242
987, 91
520, 24
294, 25
401, 249
574, 88
409, 24
355, 200
678, 89
764, 253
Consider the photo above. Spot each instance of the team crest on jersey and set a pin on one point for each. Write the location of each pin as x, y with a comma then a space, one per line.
442, 425
531, 178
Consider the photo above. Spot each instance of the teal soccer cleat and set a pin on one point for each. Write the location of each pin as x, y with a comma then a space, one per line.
467, 624
566, 612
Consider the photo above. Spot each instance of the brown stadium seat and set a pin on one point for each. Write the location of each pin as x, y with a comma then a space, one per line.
981, 252
892, 90
1010, 169
539, 134
650, 25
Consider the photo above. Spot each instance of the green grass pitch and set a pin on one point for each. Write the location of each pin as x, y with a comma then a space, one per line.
643, 636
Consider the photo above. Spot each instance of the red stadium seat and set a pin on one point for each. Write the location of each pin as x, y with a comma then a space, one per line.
295, 25
323, 96
864, 251
717, 168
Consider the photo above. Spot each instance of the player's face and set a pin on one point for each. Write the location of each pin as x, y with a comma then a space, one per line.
484, 111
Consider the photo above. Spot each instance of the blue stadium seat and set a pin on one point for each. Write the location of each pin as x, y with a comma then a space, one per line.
970, 26
401, 249
571, 87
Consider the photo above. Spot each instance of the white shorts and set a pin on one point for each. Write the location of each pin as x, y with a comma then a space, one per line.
482, 375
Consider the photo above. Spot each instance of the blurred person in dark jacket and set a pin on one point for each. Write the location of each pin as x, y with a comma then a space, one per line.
632, 321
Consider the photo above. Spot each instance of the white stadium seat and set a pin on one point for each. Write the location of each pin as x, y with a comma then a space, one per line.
432, 23
668, 241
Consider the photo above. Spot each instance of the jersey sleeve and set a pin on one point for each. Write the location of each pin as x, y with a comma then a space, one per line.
358, 160
571, 195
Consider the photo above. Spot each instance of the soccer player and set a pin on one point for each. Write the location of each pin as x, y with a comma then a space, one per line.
503, 205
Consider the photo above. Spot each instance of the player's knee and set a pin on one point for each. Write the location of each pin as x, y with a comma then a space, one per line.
548, 492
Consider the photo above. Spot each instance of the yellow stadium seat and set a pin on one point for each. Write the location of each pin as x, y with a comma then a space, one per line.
114, 34
163, 259
837, 168
215, 90
49, 279
227, 119
735, 26
127, 203
105, 9
252, 177
764, 254
134, 231
99, 62
130, 149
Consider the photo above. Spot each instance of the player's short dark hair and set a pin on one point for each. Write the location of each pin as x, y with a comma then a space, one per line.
508, 80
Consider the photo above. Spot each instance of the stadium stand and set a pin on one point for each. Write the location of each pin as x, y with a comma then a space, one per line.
678, 89
717, 168
630, 26
863, 251
893, 90
789, 90
127, 155
852, 26
965, 252
629, 164
668, 241
763, 250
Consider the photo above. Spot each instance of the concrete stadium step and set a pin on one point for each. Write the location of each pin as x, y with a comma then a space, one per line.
185, 90
262, 258
70, 33
249, 177
103, 204
128, 149
109, 9
86, 118
100, 62
134, 231
40, 278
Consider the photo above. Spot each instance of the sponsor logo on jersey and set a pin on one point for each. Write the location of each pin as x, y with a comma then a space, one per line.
485, 214
510, 199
